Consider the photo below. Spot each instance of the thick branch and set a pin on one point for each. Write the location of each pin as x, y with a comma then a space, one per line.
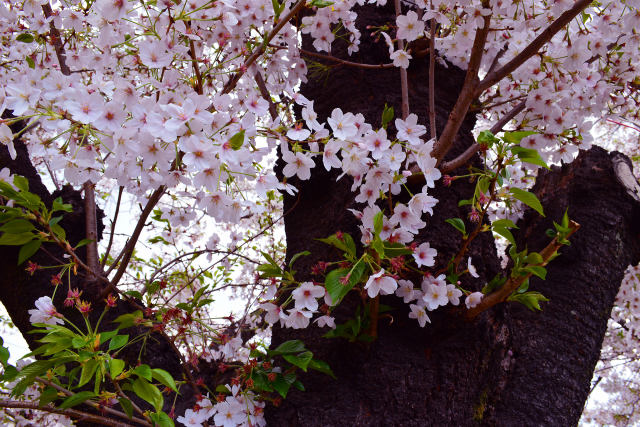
467, 94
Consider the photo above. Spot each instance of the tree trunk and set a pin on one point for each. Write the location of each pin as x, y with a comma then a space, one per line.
510, 366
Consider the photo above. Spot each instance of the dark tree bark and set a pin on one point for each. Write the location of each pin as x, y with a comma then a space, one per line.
510, 366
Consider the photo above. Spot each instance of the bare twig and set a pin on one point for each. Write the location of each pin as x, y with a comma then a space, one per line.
131, 244
404, 82
113, 227
432, 86
93, 404
71, 413
512, 284
345, 62
233, 81
91, 229
475, 147
56, 40
533, 48
262, 86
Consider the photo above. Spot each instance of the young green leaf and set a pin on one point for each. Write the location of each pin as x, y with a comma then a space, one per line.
528, 199
458, 224
76, 399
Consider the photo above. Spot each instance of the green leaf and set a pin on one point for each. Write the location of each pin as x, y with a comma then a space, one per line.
88, 369
345, 244
298, 255
148, 392
505, 223
516, 137
237, 140
59, 231
504, 232
320, 366
17, 226
161, 419
221, 388
78, 342
301, 360
536, 270
528, 199
387, 113
377, 223
487, 138
118, 341
127, 407
283, 383
164, 378
288, 347
28, 250
25, 38
83, 242
76, 399
531, 300
458, 224
143, 371
59, 205
529, 155
10, 239
495, 283
116, 366
392, 250
320, 4
533, 258
30, 62
334, 286
128, 320
47, 396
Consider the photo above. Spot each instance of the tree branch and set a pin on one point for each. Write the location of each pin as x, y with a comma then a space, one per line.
497, 75
345, 62
512, 284
71, 413
273, 110
131, 244
475, 147
233, 81
467, 94
432, 86
404, 83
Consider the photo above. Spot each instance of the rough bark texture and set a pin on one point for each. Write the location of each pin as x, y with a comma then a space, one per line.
508, 367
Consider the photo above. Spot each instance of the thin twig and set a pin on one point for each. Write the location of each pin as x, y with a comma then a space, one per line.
502, 293
262, 86
131, 244
432, 86
533, 48
475, 147
92, 404
345, 62
404, 83
91, 230
113, 227
71, 413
